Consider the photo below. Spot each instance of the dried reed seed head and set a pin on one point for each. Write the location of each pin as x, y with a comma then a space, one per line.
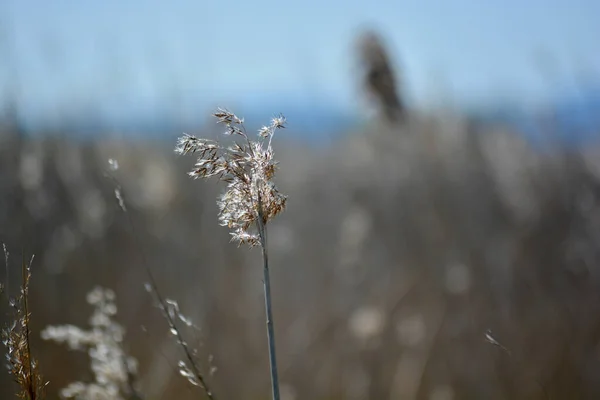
278, 122
380, 78
247, 167
372, 49
227, 117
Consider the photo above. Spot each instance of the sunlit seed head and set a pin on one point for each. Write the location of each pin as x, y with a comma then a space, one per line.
248, 169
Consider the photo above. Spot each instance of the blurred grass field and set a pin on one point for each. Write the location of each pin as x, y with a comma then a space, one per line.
400, 248
422, 255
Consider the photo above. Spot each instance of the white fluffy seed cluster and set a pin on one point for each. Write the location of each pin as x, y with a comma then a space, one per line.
103, 341
248, 167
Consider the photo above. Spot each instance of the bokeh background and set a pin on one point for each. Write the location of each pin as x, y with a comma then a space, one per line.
409, 245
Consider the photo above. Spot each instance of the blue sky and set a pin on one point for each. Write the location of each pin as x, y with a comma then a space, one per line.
130, 56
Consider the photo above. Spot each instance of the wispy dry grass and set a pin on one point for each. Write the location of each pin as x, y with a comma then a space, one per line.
21, 363
189, 367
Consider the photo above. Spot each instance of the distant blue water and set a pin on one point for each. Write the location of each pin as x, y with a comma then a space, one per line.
572, 119
315, 120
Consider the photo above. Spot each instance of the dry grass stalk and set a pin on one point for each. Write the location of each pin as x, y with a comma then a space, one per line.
189, 367
21, 364
251, 199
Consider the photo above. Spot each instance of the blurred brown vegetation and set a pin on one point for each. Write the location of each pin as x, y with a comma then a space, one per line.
401, 248
397, 252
